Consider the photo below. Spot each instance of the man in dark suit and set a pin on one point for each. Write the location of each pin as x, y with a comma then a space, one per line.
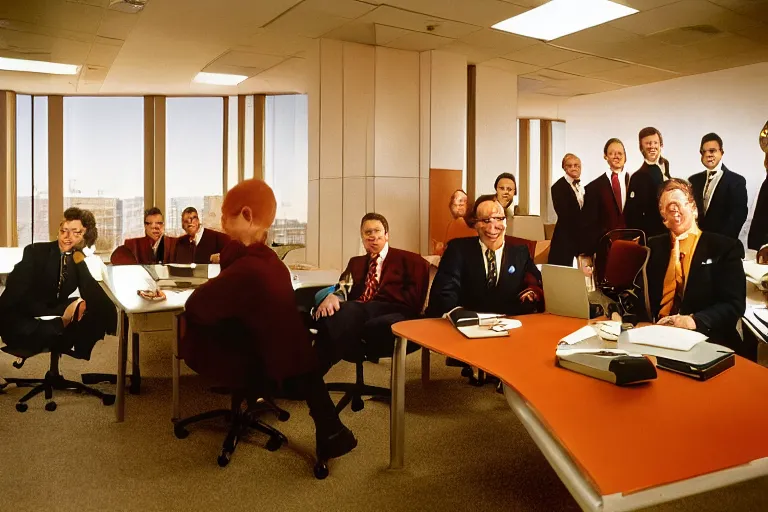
721, 195
388, 285
695, 278
153, 248
199, 245
758, 230
486, 273
40, 286
568, 199
605, 198
642, 210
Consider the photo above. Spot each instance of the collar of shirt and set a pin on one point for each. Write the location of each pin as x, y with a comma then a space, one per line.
571, 180
199, 235
499, 253
717, 170
693, 231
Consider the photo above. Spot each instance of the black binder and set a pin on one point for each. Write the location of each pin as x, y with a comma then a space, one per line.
701, 371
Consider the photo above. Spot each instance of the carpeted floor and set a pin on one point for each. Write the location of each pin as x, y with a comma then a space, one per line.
465, 450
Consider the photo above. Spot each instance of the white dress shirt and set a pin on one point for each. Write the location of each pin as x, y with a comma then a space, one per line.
199, 235
155, 245
499, 254
709, 191
577, 189
622, 184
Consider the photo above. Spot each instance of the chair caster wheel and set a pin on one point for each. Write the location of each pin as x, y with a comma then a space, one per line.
321, 470
22, 407
108, 400
357, 404
50, 406
274, 443
466, 371
283, 416
180, 432
224, 459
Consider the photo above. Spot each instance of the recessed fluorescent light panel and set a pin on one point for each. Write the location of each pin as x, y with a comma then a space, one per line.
37, 66
562, 17
219, 78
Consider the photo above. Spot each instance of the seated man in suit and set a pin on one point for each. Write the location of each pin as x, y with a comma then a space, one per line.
721, 195
695, 278
388, 285
487, 273
250, 310
40, 286
199, 245
758, 230
153, 248
568, 199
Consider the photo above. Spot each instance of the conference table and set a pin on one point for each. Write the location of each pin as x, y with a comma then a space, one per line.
121, 283
615, 448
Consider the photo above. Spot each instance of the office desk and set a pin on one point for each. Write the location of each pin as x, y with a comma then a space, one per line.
753, 325
9, 257
615, 448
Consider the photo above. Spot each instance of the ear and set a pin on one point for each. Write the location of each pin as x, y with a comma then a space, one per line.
247, 213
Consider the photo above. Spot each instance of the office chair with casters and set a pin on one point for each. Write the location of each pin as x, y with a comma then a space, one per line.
53, 380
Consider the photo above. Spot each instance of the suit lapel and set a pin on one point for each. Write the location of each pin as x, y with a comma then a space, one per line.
696, 263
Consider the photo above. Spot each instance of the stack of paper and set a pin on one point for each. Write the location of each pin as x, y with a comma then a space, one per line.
663, 336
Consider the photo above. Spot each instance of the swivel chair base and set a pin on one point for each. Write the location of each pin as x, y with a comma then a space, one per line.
354, 392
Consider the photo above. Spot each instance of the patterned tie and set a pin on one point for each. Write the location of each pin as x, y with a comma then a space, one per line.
616, 189
707, 190
63, 273
371, 283
579, 195
491, 257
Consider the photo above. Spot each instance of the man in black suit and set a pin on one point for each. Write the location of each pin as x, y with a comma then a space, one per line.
721, 195
758, 230
695, 278
40, 286
568, 199
487, 275
642, 207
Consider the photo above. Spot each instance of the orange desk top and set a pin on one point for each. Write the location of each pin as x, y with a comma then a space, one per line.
626, 439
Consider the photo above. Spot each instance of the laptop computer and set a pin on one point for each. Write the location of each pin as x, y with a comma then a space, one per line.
565, 291
178, 276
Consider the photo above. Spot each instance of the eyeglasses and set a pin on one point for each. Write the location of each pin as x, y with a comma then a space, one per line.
496, 220
75, 233
712, 151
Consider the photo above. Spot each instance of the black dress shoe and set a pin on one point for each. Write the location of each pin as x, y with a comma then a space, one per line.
336, 445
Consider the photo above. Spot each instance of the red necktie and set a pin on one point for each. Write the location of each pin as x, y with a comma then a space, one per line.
371, 283
616, 189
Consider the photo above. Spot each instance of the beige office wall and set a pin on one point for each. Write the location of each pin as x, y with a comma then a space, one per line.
8, 235
496, 126
731, 103
448, 117
540, 106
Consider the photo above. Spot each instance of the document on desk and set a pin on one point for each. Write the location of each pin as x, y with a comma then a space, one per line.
480, 325
663, 336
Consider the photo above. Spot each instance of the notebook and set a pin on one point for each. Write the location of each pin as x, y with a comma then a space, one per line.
565, 291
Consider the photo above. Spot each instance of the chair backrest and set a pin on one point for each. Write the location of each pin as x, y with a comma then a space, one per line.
604, 247
122, 256
625, 271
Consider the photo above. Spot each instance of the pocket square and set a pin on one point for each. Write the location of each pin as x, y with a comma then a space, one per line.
708, 262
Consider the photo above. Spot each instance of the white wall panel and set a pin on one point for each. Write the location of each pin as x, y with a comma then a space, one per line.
331, 119
358, 70
330, 223
398, 200
448, 111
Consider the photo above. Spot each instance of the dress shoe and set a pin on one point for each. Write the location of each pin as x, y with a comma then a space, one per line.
336, 445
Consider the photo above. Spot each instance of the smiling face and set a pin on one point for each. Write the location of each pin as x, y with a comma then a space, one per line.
71, 235
190, 223
651, 146
572, 167
491, 224
711, 154
677, 211
615, 156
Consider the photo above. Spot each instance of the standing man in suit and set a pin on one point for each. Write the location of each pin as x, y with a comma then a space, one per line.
388, 285
486, 273
42, 284
695, 278
721, 195
568, 199
200, 245
758, 230
153, 248
605, 198
642, 206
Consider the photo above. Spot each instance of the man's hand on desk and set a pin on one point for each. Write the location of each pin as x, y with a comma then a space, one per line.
215, 258
682, 321
328, 307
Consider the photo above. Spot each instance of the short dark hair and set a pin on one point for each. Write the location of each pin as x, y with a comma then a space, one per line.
450, 202
677, 184
711, 137
375, 216
613, 140
88, 221
152, 211
647, 132
508, 176
471, 217
189, 209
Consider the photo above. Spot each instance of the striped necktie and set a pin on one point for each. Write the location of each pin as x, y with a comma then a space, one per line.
371, 283
491, 257
63, 273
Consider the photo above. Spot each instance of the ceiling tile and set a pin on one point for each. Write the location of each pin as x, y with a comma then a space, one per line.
385, 34
717, 63
645, 5
474, 54
634, 75
755, 9
392, 17
349, 9
95, 3
92, 73
23, 45
595, 39
102, 54
313, 18
542, 55
271, 42
20, 26
357, 32
527, 3
419, 42
586, 66
71, 16
498, 40
517, 68
528, 85
546, 75
116, 25
248, 60
758, 34
482, 13
684, 36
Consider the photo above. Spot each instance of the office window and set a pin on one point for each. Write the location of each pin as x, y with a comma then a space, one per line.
286, 164
104, 165
193, 160
248, 149
232, 148
534, 162
557, 151
31, 169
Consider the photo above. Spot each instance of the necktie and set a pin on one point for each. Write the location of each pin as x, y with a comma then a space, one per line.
616, 189
708, 189
371, 283
679, 279
579, 195
491, 257
63, 273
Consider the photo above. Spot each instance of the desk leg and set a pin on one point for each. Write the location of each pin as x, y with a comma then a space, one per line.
176, 369
425, 365
397, 406
122, 355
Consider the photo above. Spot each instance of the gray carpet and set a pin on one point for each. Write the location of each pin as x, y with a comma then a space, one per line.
465, 450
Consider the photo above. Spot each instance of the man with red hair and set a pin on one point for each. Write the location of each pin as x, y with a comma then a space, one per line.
250, 310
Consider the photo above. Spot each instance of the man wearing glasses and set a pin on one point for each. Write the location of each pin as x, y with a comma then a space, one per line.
38, 310
153, 248
200, 245
695, 278
486, 273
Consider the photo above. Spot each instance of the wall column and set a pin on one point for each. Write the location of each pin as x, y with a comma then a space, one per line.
8, 232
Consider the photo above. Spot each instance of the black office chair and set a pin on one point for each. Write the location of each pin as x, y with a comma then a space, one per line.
53, 380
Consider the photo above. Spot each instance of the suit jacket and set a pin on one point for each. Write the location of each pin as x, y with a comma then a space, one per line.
565, 239
404, 279
758, 230
715, 291
642, 209
141, 249
728, 207
212, 242
600, 214
461, 280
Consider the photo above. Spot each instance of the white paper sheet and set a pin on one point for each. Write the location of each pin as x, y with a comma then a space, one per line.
582, 334
664, 336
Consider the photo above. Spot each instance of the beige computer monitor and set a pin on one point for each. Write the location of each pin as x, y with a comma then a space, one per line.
565, 291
